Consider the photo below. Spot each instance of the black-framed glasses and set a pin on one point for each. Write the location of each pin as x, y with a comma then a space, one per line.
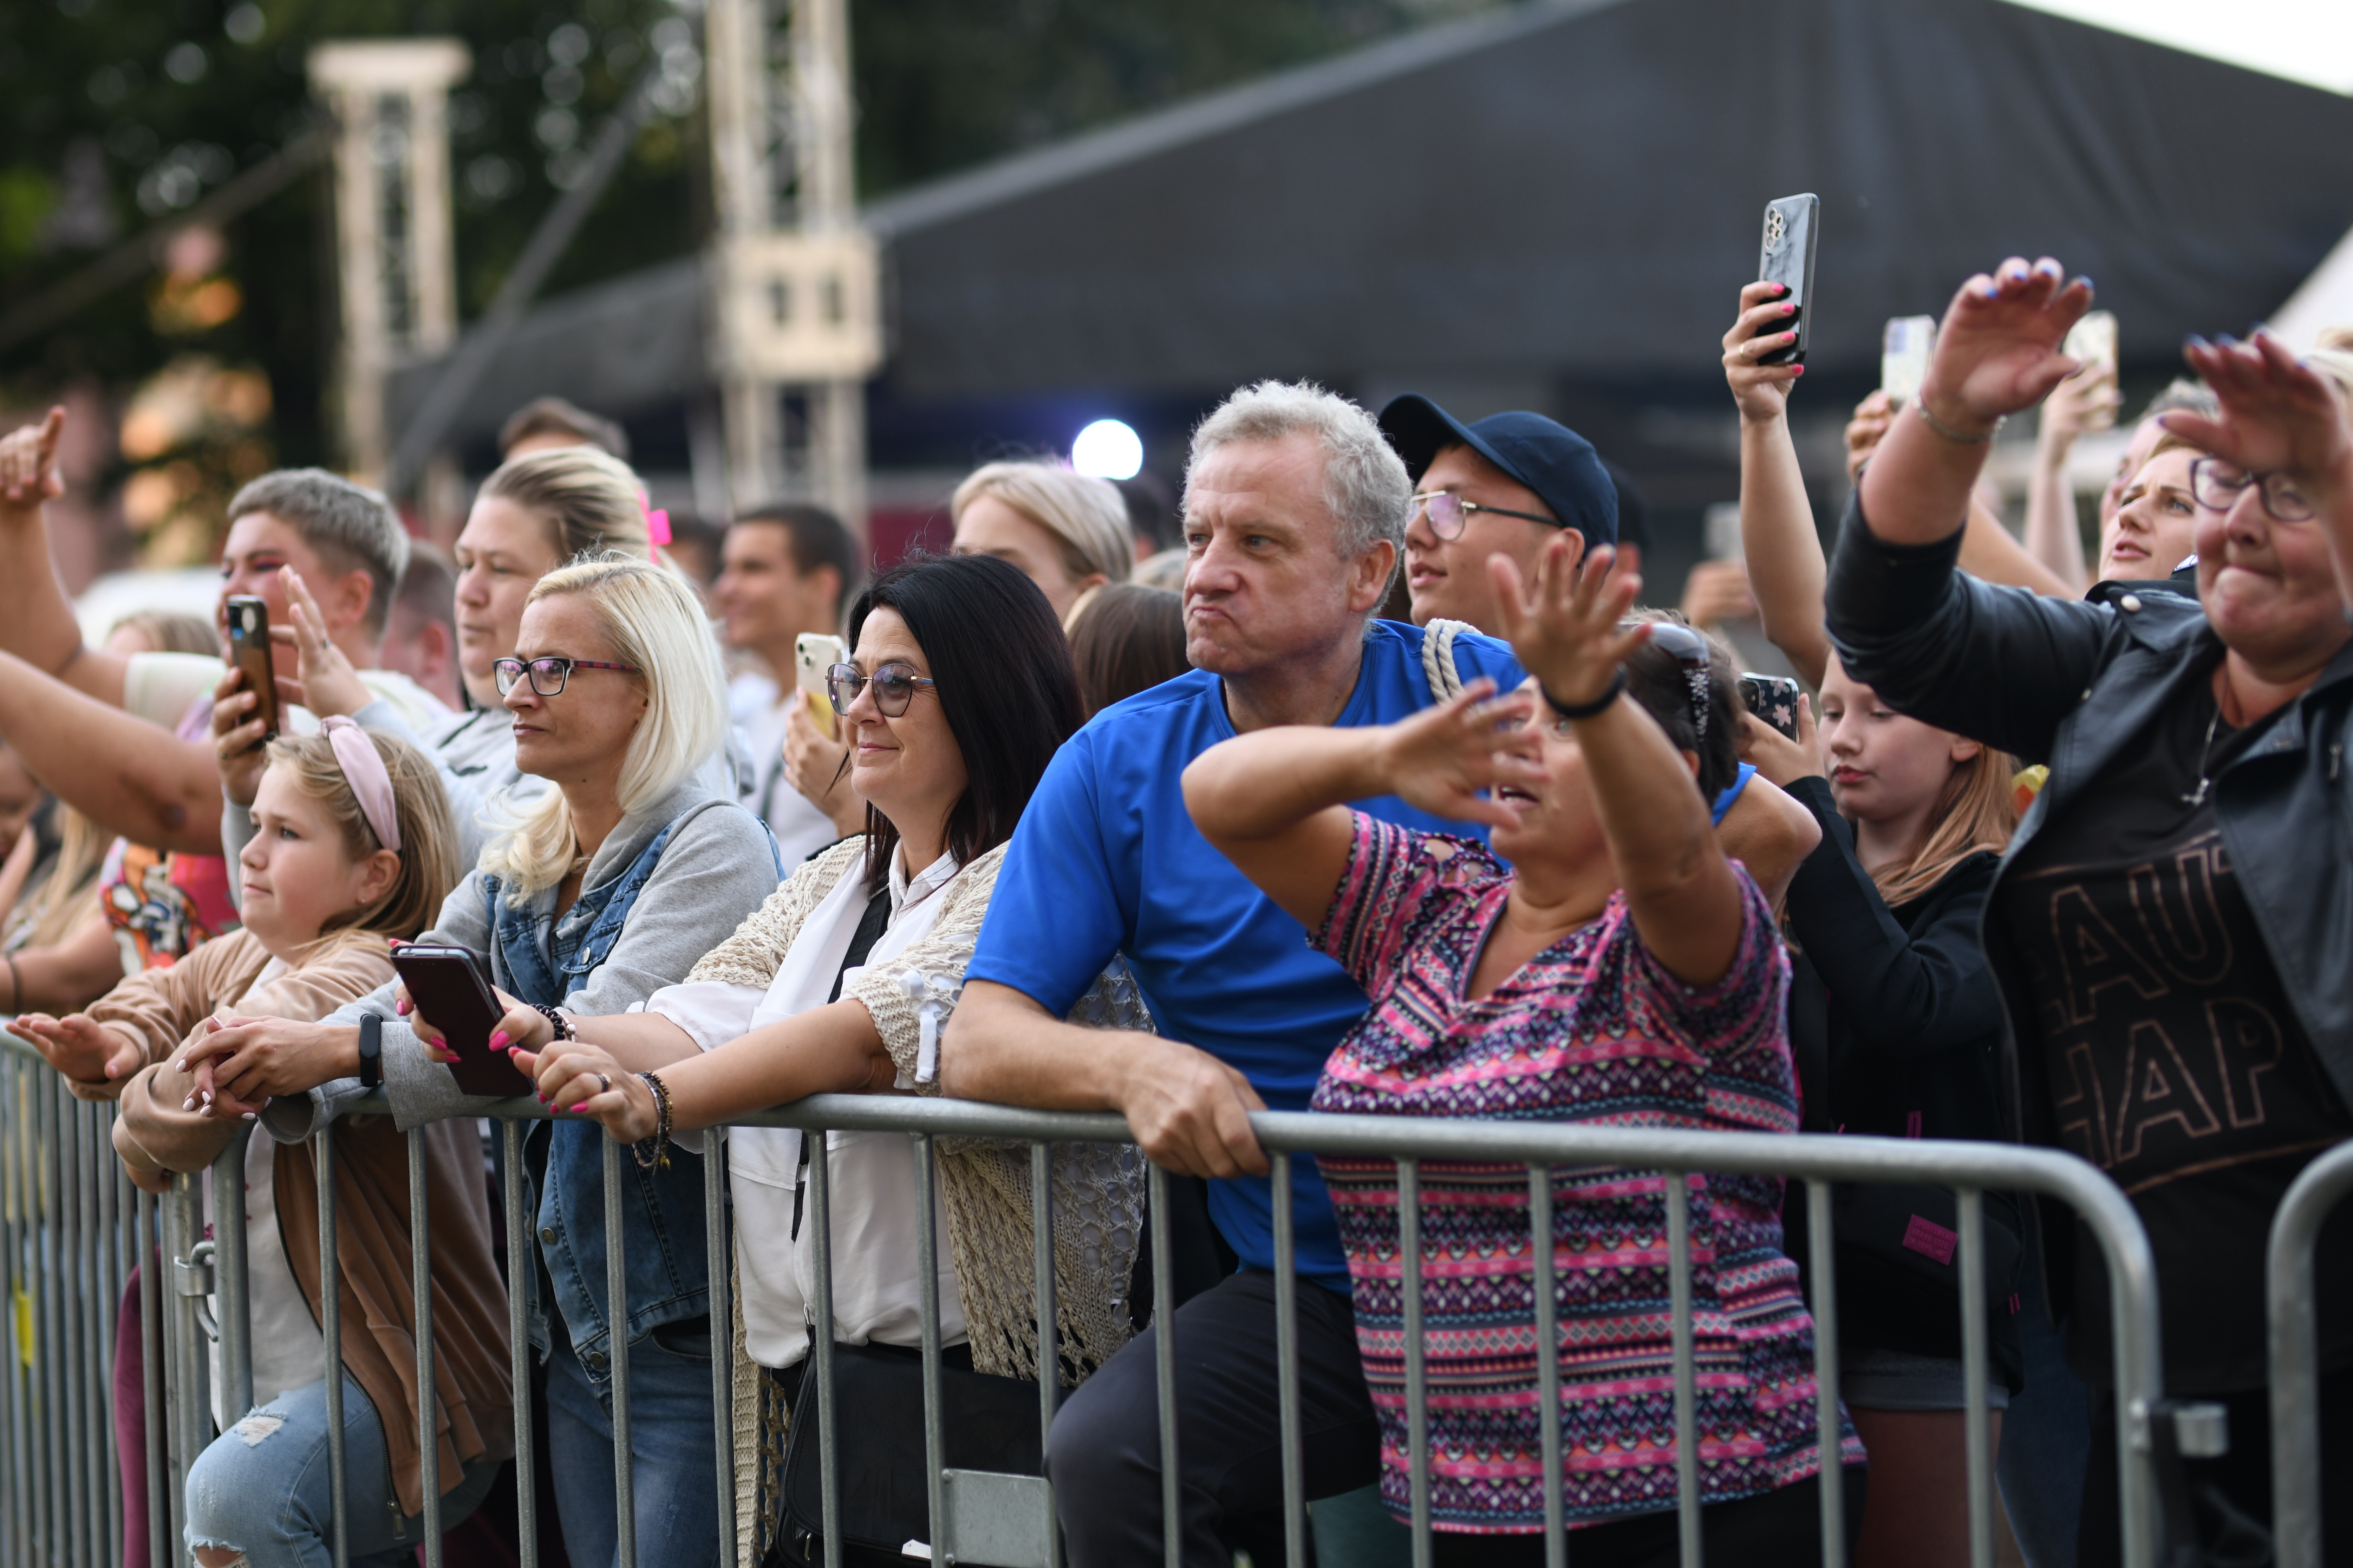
894, 686
1450, 513
2217, 486
548, 675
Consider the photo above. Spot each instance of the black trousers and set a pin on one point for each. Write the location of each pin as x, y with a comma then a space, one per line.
2229, 1498
1104, 1455
1781, 1529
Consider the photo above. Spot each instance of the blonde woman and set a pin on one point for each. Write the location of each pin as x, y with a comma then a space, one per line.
532, 516
1066, 533
608, 887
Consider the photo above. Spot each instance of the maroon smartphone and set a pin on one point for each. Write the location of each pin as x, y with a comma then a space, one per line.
447, 986
248, 650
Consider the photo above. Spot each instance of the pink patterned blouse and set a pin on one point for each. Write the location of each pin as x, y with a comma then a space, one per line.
1592, 1029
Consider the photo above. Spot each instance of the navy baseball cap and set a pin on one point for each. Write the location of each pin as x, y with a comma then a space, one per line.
1547, 456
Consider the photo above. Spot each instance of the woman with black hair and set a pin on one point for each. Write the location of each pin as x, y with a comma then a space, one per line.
959, 692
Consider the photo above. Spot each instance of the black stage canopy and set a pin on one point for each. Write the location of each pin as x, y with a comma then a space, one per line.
1567, 191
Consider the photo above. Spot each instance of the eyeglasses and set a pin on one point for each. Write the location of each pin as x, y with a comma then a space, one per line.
1449, 513
2217, 485
894, 686
548, 675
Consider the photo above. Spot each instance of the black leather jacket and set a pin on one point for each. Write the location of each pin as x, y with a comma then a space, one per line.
2071, 684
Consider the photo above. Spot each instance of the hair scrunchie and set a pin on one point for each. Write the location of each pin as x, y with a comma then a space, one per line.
364, 769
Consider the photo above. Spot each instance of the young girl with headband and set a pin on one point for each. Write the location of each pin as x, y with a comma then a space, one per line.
353, 848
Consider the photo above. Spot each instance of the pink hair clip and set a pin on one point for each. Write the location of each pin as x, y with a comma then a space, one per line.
657, 519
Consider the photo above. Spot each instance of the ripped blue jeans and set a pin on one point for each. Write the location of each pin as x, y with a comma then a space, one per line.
265, 1488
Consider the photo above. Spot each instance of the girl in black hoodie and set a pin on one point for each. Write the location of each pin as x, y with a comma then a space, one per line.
1896, 1026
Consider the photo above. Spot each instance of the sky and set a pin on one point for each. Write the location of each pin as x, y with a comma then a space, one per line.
2305, 40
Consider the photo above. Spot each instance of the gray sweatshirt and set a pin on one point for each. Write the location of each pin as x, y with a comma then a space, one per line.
716, 871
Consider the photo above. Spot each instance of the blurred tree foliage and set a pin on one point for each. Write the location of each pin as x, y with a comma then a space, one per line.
116, 113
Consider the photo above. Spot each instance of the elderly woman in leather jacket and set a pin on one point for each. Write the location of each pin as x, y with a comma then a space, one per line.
2171, 924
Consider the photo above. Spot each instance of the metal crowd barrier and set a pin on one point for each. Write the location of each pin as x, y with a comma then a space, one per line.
2295, 1357
71, 1230
980, 1517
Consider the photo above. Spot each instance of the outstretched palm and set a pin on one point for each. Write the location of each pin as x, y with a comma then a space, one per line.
1997, 349
2278, 416
1440, 759
1565, 627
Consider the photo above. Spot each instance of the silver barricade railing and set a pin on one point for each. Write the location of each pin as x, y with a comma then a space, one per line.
2294, 1353
981, 1517
72, 1228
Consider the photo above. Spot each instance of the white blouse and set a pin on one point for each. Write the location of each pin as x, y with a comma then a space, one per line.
876, 1267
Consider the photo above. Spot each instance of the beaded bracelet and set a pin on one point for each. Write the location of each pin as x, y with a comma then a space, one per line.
556, 1021
660, 1158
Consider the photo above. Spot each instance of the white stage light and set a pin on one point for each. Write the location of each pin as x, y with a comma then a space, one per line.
1108, 449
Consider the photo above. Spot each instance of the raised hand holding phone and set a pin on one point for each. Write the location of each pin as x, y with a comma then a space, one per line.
1793, 227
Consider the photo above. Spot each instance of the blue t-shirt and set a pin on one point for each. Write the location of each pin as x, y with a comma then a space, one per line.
1106, 861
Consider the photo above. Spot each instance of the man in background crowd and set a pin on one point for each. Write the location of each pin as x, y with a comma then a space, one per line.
420, 639
545, 423
784, 570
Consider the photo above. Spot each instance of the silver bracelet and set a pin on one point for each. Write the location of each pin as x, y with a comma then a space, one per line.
1948, 432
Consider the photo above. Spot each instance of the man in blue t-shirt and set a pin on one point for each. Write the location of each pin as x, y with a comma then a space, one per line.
1295, 510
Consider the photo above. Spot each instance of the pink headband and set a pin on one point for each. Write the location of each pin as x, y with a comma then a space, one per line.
364, 771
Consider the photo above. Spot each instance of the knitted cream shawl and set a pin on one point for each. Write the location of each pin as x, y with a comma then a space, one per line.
1098, 1188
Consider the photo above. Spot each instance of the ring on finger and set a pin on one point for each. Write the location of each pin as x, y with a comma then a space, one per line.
603, 1084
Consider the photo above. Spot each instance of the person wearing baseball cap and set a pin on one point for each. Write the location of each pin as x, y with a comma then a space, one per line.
1504, 486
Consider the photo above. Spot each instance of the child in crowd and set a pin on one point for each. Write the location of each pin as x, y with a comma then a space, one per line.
354, 849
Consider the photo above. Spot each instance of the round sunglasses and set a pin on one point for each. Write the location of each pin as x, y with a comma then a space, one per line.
894, 686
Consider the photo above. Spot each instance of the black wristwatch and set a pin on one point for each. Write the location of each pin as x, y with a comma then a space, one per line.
371, 1050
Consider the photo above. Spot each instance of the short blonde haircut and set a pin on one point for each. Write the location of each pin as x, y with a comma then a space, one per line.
592, 500
429, 834
1086, 516
653, 621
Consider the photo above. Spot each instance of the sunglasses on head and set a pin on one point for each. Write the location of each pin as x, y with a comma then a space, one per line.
1689, 649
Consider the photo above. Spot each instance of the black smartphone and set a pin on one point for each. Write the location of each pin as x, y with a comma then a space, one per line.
1792, 225
249, 651
1772, 697
448, 988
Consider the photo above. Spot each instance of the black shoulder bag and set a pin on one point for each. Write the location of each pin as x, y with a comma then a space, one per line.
990, 1422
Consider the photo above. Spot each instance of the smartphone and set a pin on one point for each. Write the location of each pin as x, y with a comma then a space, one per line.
1792, 225
1904, 350
2092, 341
814, 653
249, 651
449, 987
1772, 697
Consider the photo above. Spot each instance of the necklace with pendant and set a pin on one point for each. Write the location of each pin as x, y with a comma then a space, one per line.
2205, 756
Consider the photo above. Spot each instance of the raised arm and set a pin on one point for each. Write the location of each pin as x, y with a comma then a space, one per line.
36, 619
1786, 569
2082, 403
1565, 629
124, 774
1274, 801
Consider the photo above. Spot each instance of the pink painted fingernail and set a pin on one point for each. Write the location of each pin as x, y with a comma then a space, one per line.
401, 1007
498, 1041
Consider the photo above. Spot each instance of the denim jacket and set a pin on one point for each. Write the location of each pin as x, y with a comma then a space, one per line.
672, 882
541, 958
